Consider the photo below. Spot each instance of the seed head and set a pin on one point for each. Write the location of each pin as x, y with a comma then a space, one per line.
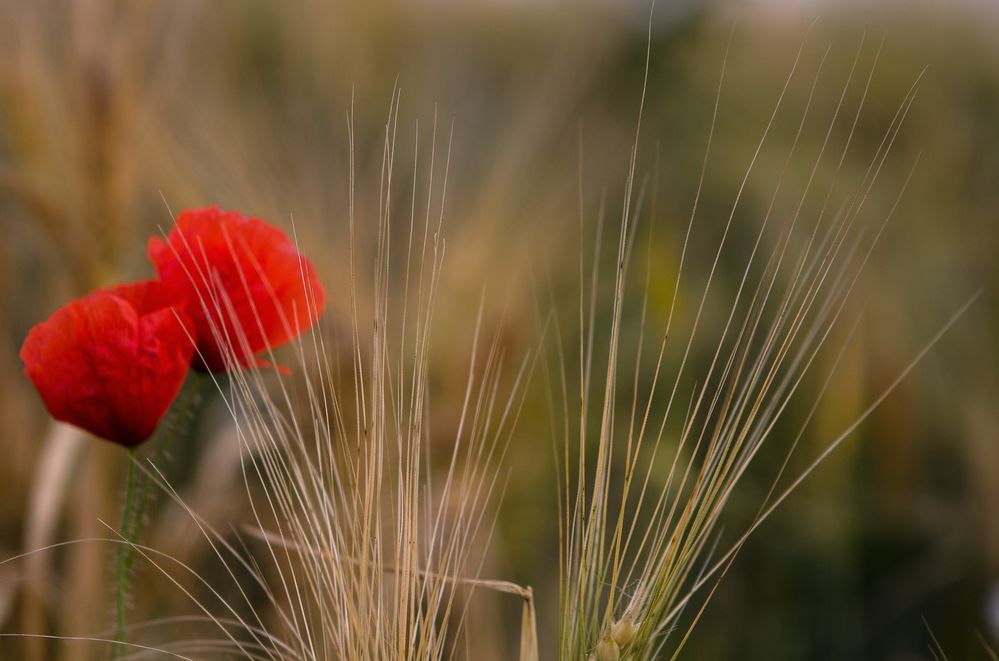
623, 632
607, 650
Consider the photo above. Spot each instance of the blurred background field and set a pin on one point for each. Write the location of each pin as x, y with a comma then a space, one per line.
111, 114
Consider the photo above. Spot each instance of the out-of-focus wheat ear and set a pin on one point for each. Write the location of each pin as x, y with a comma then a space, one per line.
10, 584
60, 454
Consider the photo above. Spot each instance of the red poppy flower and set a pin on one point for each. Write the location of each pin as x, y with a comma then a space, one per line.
111, 362
247, 286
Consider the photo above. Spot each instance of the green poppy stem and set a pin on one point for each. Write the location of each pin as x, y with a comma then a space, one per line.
137, 486
125, 554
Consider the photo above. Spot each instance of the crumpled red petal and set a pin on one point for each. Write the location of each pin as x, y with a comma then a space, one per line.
248, 287
112, 361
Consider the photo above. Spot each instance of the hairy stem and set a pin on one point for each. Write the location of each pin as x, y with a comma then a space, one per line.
125, 554
174, 425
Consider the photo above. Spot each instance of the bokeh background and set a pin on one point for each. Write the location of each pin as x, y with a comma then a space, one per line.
114, 113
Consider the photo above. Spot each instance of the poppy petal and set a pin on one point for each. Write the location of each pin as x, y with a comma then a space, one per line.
248, 287
109, 365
